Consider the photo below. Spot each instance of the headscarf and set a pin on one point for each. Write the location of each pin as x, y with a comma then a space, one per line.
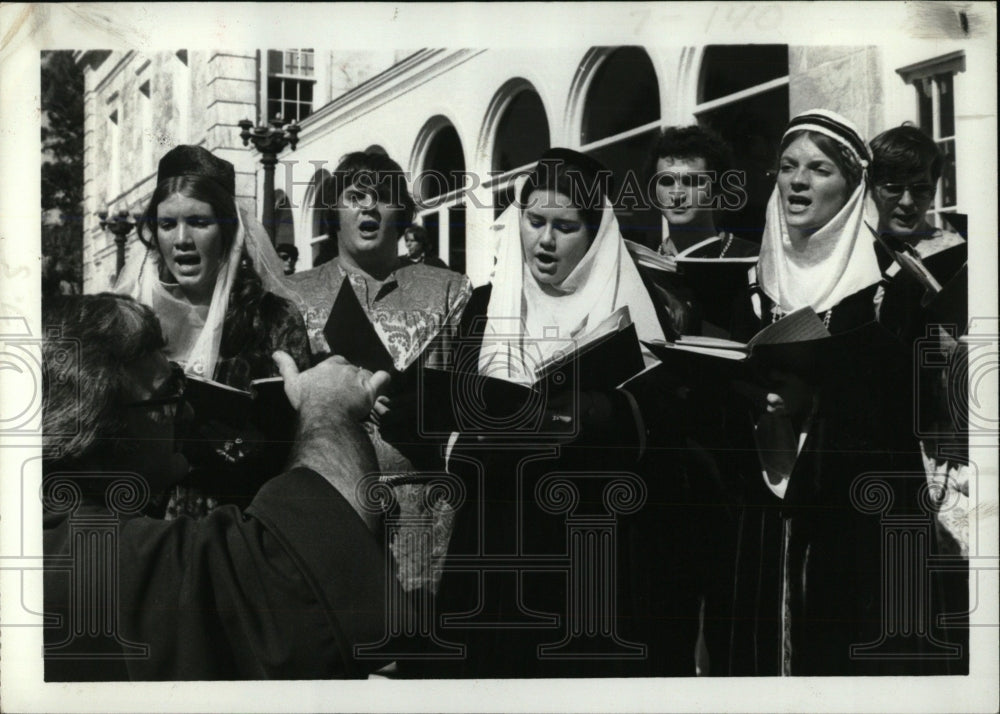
521, 317
838, 260
194, 333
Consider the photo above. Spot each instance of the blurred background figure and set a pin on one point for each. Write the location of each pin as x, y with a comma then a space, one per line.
56, 278
418, 247
289, 255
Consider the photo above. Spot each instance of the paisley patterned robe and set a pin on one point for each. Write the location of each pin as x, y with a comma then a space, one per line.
408, 310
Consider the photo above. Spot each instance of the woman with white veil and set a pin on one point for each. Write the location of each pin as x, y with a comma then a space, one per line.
211, 275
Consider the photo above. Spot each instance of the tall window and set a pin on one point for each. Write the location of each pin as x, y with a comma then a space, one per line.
934, 83
290, 82
321, 246
743, 96
438, 189
621, 118
522, 135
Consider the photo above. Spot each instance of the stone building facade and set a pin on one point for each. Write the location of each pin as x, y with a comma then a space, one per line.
463, 121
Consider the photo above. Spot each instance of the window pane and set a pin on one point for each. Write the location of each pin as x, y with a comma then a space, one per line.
753, 128
306, 92
275, 61
456, 239
946, 87
924, 109
522, 133
623, 158
432, 224
502, 199
444, 159
949, 191
623, 95
727, 69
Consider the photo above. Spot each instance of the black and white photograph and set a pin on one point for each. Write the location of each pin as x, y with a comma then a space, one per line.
499, 357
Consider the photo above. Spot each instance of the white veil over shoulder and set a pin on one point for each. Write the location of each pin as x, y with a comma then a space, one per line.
194, 333
838, 260
520, 313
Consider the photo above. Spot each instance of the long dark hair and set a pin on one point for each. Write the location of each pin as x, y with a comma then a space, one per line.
244, 331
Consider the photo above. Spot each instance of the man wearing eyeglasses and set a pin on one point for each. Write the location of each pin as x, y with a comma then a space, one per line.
917, 259
906, 168
924, 286
283, 590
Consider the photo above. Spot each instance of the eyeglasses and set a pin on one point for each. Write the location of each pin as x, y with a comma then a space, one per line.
174, 398
918, 191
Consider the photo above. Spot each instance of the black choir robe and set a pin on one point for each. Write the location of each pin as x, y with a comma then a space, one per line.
658, 554
282, 591
809, 578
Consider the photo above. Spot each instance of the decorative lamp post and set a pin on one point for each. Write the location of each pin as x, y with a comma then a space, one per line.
120, 224
270, 140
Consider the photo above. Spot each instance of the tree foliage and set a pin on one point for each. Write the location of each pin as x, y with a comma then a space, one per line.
62, 160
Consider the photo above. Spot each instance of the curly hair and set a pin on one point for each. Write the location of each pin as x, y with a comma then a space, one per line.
691, 142
244, 332
88, 343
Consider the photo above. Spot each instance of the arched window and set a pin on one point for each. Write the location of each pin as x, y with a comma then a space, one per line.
743, 96
621, 117
437, 190
321, 246
520, 137
522, 132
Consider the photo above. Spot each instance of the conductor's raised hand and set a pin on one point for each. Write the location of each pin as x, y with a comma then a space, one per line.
334, 386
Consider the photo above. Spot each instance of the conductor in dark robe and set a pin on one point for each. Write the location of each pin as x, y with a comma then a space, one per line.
286, 589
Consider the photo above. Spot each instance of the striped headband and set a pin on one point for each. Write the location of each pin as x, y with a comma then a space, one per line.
834, 126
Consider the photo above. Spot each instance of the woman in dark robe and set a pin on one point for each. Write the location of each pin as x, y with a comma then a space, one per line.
811, 447
508, 593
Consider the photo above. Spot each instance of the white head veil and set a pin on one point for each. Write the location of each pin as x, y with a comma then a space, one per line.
605, 280
194, 334
838, 260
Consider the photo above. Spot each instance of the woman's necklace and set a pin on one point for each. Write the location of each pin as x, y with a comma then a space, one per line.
729, 242
777, 313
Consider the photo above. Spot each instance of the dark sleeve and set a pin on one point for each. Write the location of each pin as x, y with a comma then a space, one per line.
285, 590
287, 331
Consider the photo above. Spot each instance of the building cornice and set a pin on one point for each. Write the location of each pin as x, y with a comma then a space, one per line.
114, 71
952, 62
90, 58
381, 89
